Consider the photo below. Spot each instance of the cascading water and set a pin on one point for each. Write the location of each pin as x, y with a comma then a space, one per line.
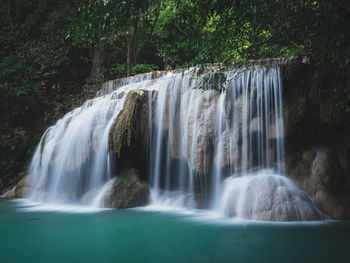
72, 158
71, 162
207, 132
214, 134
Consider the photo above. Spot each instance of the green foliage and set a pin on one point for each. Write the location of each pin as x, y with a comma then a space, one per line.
91, 23
143, 68
117, 70
37, 71
211, 80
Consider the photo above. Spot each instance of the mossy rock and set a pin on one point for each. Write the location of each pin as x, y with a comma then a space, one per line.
128, 190
131, 126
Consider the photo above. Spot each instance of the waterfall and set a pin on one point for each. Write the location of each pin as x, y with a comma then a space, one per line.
71, 163
212, 137
205, 133
72, 157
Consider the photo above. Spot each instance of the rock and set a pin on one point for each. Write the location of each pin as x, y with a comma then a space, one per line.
112, 85
128, 190
317, 150
22, 187
131, 126
309, 156
129, 135
10, 194
323, 174
327, 182
329, 204
194, 141
268, 197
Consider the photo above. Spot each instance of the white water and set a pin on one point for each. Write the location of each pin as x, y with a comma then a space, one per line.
71, 163
74, 157
12, 190
213, 135
198, 138
99, 199
264, 195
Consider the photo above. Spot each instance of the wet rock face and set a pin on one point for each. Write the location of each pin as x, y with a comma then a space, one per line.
200, 133
131, 126
317, 153
198, 125
325, 175
129, 135
22, 187
8, 182
128, 191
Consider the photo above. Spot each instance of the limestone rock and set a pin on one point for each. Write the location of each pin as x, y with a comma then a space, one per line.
268, 197
131, 125
195, 139
323, 174
11, 194
128, 190
22, 187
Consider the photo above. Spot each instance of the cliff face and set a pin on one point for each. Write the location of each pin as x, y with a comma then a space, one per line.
317, 148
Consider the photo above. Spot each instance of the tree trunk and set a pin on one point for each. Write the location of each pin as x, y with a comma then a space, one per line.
133, 35
132, 42
129, 58
97, 62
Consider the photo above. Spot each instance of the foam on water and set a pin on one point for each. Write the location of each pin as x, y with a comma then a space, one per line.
30, 206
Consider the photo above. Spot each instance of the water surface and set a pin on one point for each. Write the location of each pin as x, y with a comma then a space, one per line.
31, 234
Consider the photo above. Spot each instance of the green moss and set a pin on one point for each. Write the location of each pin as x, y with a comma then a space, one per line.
133, 93
131, 124
215, 81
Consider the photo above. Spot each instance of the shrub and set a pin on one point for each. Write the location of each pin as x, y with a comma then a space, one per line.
143, 68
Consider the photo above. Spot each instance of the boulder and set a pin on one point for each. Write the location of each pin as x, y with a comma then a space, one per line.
131, 126
22, 187
128, 190
324, 175
268, 197
11, 194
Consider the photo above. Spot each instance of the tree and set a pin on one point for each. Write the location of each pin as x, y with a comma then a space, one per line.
36, 66
91, 28
143, 18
